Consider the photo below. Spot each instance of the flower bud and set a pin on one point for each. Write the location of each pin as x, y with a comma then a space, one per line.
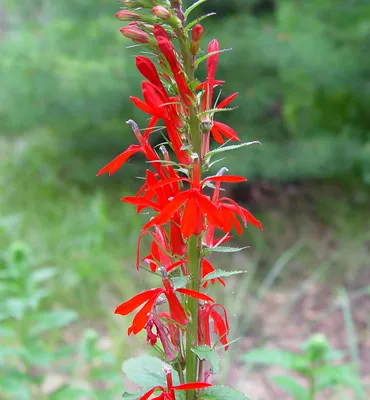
196, 36
134, 33
126, 15
206, 126
197, 33
161, 12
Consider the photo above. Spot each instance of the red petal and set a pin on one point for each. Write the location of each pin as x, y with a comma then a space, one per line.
226, 178
116, 163
136, 301
195, 295
167, 182
212, 61
141, 105
148, 70
151, 391
167, 211
217, 135
176, 310
150, 127
226, 130
227, 101
189, 219
251, 219
192, 386
139, 201
142, 317
210, 211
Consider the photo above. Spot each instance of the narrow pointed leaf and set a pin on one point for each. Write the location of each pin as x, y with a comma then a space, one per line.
223, 249
220, 273
229, 148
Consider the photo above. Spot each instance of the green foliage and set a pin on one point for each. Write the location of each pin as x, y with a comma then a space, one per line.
317, 364
222, 393
22, 291
29, 332
208, 354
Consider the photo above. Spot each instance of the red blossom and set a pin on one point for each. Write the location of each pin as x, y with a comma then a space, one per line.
149, 298
221, 327
169, 392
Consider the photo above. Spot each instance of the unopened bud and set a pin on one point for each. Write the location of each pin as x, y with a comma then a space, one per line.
127, 15
206, 126
197, 33
134, 33
161, 12
196, 36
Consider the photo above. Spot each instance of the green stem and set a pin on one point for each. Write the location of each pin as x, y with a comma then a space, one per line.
312, 388
192, 328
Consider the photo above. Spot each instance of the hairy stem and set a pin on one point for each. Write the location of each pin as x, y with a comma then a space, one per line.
192, 329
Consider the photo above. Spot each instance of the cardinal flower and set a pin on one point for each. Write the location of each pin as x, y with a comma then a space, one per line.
143, 147
208, 312
197, 205
169, 392
149, 299
163, 334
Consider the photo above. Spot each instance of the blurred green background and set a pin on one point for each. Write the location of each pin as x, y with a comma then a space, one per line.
302, 70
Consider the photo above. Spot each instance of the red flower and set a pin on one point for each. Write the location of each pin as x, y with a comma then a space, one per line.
149, 299
220, 324
169, 393
163, 334
143, 147
158, 104
168, 51
197, 205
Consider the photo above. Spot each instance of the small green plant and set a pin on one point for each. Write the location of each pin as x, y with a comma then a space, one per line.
25, 354
317, 364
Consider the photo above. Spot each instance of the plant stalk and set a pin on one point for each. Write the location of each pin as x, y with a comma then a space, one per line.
192, 329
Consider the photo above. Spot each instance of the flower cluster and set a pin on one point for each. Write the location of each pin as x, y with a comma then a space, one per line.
190, 218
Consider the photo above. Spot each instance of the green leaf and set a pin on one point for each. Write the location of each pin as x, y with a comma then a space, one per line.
220, 273
280, 358
208, 354
290, 385
193, 7
223, 249
179, 281
229, 148
212, 53
222, 393
52, 320
35, 354
146, 371
329, 376
196, 21
132, 396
